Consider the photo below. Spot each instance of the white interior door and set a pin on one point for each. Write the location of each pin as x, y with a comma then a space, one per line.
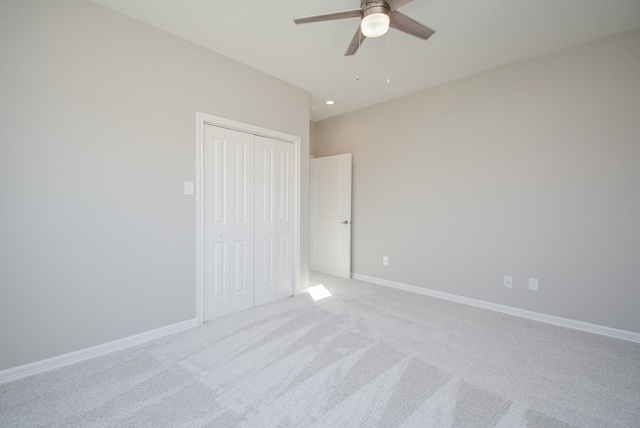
330, 222
274, 220
228, 221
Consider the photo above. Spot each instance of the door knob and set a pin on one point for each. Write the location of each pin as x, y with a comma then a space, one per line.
345, 222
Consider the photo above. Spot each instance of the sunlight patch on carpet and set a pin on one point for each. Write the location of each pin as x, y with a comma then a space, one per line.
319, 292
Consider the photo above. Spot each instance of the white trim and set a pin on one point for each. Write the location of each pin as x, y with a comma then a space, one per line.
536, 316
31, 369
201, 120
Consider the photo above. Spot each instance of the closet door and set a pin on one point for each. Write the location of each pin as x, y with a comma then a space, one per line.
274, 220
228, 221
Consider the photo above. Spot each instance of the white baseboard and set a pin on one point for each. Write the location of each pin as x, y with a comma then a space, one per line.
564, 322
30, 369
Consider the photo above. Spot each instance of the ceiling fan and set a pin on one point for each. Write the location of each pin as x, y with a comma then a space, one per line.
376, 16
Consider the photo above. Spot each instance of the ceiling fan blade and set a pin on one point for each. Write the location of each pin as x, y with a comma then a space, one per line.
407, 25
357, 40
397, 4
355, 13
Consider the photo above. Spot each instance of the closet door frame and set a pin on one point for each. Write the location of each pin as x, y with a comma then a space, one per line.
203, 119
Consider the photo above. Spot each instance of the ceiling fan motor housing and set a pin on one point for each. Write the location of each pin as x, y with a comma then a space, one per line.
369, 7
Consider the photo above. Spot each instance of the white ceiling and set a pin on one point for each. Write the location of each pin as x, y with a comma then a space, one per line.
471, 36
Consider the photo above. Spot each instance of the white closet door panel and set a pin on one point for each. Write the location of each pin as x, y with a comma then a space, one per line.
228, 221
216, 260
265, 276
242, 230
284, 216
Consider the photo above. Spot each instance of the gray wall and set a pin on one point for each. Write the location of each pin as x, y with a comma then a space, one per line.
97, 136
529, 170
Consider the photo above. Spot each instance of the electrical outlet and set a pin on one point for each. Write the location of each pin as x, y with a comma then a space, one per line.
533, 284
385, 260
508, 282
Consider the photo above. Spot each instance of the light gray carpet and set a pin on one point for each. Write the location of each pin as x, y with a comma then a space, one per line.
367, 356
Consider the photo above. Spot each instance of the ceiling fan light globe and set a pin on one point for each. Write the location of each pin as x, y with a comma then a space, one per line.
375, 25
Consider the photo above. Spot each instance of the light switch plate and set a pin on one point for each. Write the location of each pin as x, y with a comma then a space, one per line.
188, 187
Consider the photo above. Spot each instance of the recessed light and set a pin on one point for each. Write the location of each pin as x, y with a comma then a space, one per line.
330, 102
